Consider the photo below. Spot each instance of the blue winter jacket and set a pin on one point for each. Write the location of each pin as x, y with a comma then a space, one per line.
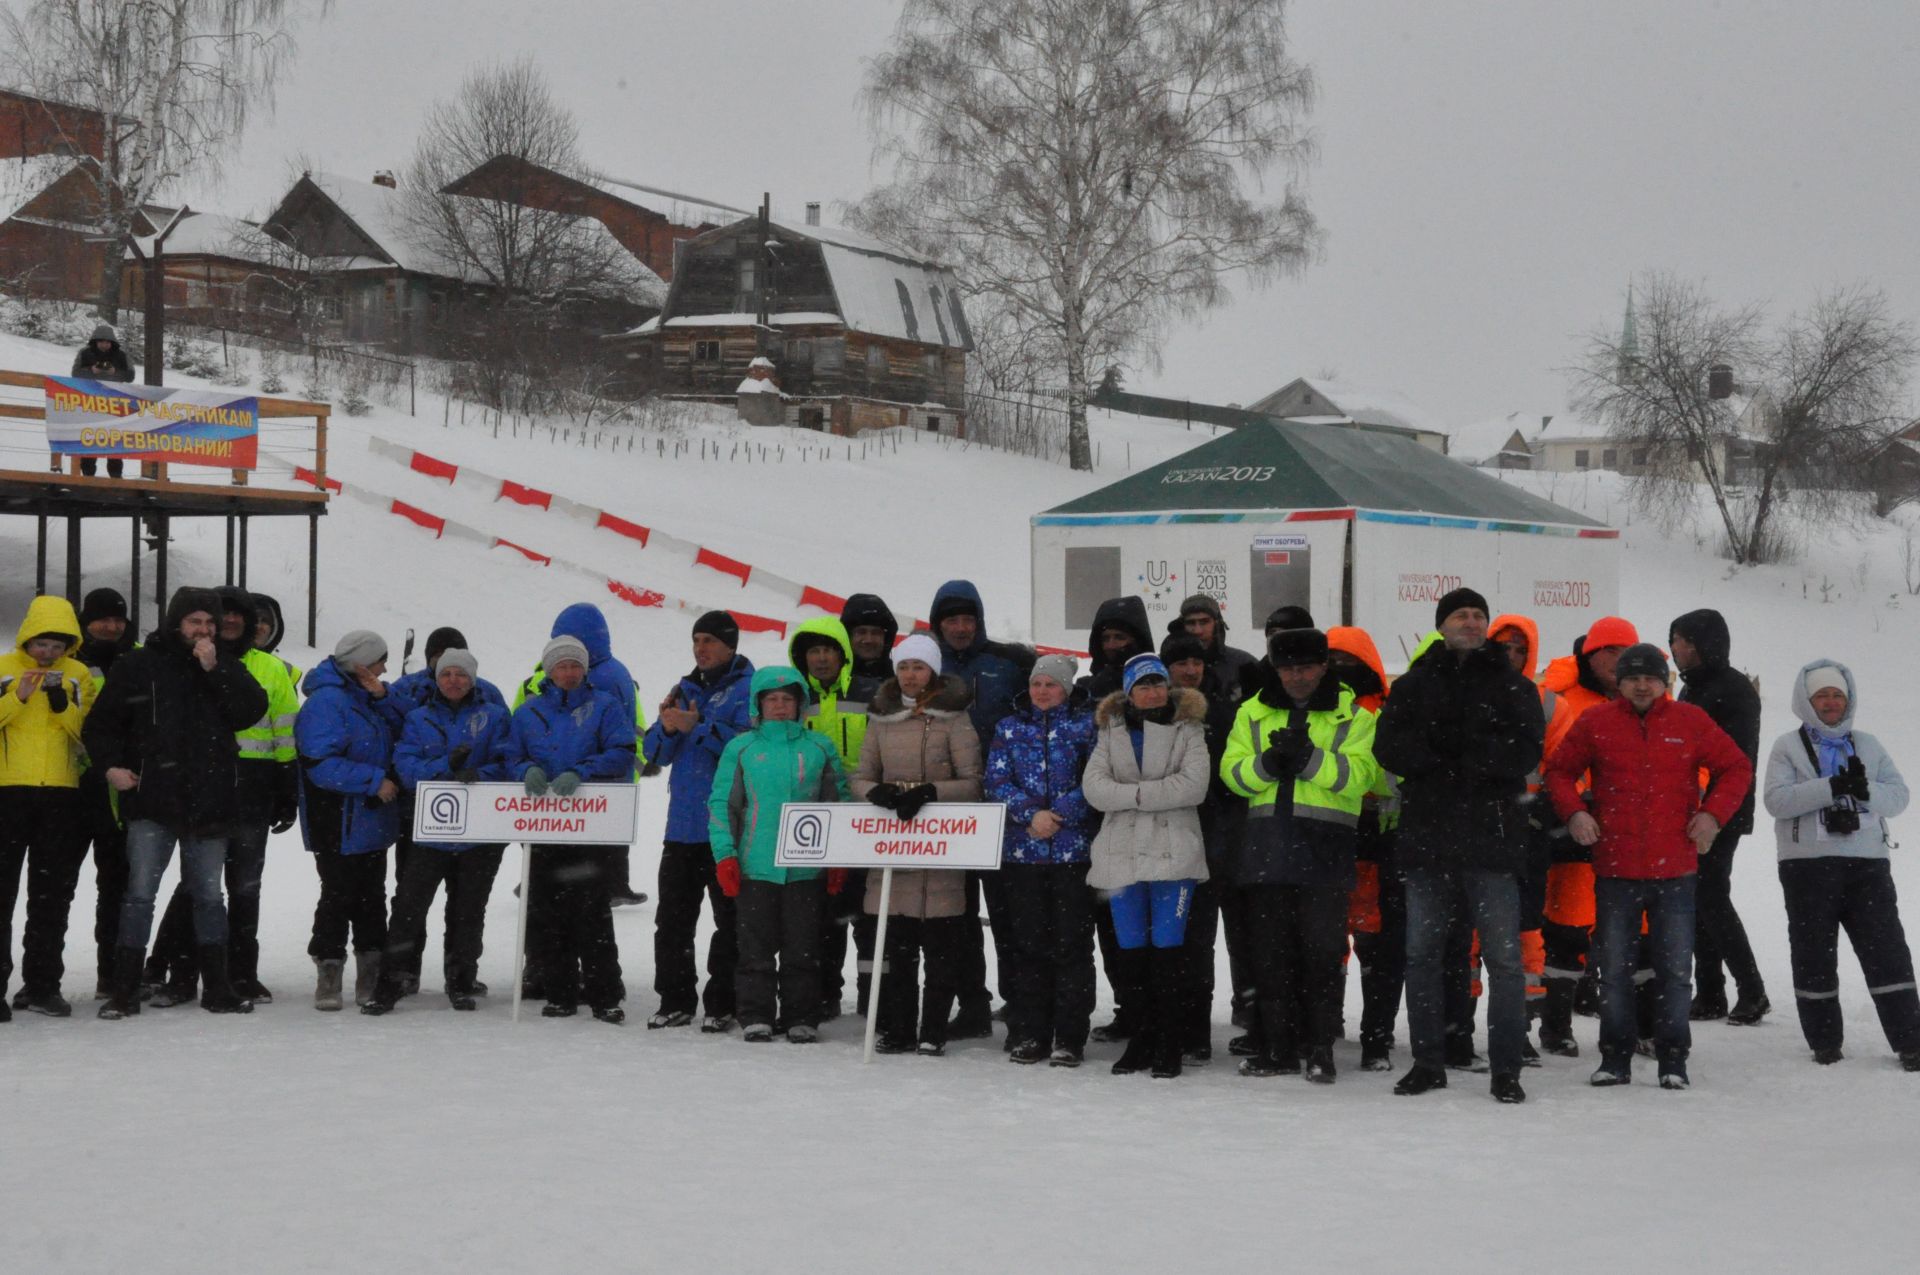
604, 673
436, 728
417, 688
694, 755
584, 730
996, 672
346, 738
1034, 764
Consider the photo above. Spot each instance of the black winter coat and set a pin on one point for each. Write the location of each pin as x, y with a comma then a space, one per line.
1723, 692
1103, 676
95, 366
1462, 735
171, 722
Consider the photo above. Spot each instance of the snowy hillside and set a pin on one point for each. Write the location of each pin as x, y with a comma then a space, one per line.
572, 1145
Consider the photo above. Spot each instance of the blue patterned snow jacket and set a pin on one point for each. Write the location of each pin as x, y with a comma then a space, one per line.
1034, 763
436, 728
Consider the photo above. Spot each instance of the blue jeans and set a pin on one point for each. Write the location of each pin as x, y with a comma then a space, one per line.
1156, 909
1668, 905
1438, 899
202, 861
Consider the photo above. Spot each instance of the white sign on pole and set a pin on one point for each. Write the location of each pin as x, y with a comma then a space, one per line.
596, 814
855, 834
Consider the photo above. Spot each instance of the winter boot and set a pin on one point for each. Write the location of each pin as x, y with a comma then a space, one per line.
124, 999
1751, 1006
1277, 1055
1506, 1088
366, 976
459, 984
1138, 1054
1586, 995
1556, 1019
973, 1022
1169, 972
1421, 1079
1708, 1007
326, 988
1376, 1057
181, 987
1319, 1067
1910, 1060
1828, 1057
220, 997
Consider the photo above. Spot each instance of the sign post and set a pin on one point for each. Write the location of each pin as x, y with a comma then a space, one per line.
596, 814
951, 835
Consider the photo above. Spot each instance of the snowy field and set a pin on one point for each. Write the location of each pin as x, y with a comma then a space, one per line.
427, 1141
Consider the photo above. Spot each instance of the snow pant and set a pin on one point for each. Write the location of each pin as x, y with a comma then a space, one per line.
109, 883
1667, 905
839, 916
866, 935
579, 956
1439, 902
202, 860
1299, 936
1566, 963
1233, 924
173, 946
1824, 896
1197, 980
686, 878
1126, 970
409, 952
973, 991
943, 941
778, 927
1383, 965
468, 875
1151, 912
44, 831
353, 896
1049, 925
1720, 942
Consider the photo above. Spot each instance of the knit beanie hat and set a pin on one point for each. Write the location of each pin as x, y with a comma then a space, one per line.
721, 626
1059, 668
361, 648
561, 649
1181, 646
1824, 678
102, 604
1141, 666
1198, 603
457, 657
917, 647
1642, 659
443, 639
1290, 648
1456, 600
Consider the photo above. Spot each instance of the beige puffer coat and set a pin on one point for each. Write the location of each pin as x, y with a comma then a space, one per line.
1151, 831
933, 743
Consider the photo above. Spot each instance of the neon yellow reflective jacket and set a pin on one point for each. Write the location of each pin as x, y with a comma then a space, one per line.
40, 748
270, 738
838, 711
1309, 839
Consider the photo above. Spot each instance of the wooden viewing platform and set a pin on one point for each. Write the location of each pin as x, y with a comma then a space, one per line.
151, 500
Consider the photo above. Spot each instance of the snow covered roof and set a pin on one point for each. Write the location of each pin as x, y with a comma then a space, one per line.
215, 235
1481, 441
893, 296
1561, 427
685, 210
1368, 404
23, 179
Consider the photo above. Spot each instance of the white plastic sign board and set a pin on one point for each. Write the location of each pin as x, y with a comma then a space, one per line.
596, 814
858, 834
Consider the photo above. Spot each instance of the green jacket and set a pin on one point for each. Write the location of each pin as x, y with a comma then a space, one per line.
270, 738
762, 770
1309, 838
839, 710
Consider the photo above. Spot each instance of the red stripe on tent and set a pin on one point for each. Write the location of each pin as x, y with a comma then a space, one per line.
638, 597
1608, 534
301, 474
510, 490
540, 558
1321, 515
720, 562
758, 623
1061, 650
812, 597
424, 464
621, 527
420, 516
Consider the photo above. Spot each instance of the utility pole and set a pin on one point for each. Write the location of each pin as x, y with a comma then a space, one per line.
156, 309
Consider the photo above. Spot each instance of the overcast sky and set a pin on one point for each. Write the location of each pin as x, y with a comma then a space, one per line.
1491, 172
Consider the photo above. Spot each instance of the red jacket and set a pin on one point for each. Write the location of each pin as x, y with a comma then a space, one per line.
1646, 783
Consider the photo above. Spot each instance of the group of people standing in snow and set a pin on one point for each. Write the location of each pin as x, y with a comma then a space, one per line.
1570, 830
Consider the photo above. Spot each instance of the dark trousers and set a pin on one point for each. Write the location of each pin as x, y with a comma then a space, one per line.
1127, 970
778, 927
944, 942
109, 888
42, 829
1720, 942
579, 957
1566, 952
1667, 904
1383, 965
1299, 936
409, 952
468, 875
1233, 924
687, 878
173, 954
836, 920
1197, 981
1440, 902
1823, 897
353, 896
1049, 926
973, 991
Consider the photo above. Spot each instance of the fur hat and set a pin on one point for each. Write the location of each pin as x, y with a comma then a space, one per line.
1290, 648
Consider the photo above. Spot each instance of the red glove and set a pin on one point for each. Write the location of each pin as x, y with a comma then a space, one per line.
836, 880
728, 870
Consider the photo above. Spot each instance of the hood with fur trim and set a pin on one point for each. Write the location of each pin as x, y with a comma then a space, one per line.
1188, 706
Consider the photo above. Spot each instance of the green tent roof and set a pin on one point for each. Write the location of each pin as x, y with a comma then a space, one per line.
1294, 465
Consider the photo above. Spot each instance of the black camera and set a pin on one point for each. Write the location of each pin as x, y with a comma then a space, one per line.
1840, 822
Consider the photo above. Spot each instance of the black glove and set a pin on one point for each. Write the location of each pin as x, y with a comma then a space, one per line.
909, 802
466, 775
1287, 751
457, 759
1856, 775
286, 798
885, 796
57, 696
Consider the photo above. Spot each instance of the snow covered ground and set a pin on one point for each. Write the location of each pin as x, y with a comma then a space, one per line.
426, 1141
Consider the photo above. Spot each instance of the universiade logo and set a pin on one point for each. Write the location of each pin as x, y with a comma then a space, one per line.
807, 837
447, 814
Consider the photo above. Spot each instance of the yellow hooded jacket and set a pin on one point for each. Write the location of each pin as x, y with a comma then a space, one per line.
40, 748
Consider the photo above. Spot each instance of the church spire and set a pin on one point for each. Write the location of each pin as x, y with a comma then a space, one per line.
1629, 336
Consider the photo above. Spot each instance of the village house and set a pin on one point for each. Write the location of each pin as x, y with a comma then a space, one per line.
1326, 401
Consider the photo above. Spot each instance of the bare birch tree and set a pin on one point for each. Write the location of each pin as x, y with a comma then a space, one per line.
1093, 168
176, 80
